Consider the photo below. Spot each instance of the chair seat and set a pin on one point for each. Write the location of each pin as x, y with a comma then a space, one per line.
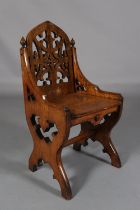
81, 104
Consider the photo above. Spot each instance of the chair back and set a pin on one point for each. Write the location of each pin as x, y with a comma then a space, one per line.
50, 57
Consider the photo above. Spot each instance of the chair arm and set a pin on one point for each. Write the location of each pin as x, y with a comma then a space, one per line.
95, 90
111, 95
89, 87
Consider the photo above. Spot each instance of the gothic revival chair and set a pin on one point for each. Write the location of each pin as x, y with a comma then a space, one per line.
58, 96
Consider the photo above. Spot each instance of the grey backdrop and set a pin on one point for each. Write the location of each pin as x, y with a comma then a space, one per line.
107, 35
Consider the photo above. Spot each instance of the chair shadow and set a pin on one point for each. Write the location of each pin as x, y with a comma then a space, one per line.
83, 163
16, 140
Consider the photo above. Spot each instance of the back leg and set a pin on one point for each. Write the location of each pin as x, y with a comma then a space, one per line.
102, 134
85, 126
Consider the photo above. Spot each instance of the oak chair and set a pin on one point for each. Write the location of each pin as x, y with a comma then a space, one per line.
58, 96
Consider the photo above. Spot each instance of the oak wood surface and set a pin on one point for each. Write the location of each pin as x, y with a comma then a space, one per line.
57, 96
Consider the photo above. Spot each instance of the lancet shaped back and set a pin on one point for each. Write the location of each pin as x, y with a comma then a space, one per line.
50, 57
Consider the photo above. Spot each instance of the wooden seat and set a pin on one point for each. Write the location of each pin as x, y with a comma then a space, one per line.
81, 104
58, 96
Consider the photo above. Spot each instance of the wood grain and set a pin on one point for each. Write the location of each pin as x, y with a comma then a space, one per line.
57, 95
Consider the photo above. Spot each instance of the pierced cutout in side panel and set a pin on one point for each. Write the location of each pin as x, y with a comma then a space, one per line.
61, 78
47, 133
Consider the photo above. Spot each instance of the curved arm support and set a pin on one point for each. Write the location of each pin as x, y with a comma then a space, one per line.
89, 87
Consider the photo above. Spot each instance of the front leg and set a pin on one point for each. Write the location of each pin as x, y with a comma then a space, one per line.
102, 134
60, 175
54, 158
35, 159
47, 148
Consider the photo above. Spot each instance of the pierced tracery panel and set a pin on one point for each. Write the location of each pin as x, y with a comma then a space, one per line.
44, 134
50, 58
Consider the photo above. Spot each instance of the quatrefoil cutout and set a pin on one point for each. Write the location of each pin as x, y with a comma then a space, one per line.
61, 78
45, 80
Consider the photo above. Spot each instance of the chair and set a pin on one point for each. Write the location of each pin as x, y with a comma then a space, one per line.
58, 96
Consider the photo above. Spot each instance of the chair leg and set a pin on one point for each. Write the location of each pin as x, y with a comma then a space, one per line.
35, 160
109, 148
50, 152
61, 176
102, 134
54, 159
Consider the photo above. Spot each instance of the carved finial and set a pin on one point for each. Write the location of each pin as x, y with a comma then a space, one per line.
72, 42
23, 42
